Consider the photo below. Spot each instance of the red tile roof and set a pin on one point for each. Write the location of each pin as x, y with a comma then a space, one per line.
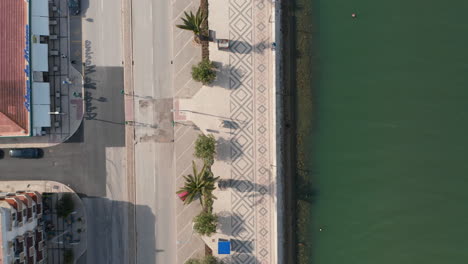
14, 115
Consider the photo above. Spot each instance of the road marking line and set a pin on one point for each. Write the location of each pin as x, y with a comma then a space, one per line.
183, 172
151, 12
179, 32
183, 86
183, 47
185, 208
175, 141
181, 12
178, 129
191, 59
185, 151
185, 226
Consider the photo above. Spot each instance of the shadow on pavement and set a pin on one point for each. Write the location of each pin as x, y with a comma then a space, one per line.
224, 74
78, 137
110, 238
223, 149
81, 162
84, 7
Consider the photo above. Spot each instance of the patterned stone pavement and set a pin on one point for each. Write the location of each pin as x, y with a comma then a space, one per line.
251, 83
238, 108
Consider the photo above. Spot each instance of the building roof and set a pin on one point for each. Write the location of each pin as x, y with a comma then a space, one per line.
14, 51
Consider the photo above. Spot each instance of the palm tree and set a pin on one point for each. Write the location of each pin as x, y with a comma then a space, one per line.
193, 22
199, 185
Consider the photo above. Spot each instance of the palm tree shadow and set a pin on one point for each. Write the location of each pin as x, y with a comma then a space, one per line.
223, 149
244, 47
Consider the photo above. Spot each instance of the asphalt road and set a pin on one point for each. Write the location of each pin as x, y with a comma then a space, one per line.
91, 161
154, 151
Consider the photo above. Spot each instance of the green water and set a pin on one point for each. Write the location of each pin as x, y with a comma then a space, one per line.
382, 131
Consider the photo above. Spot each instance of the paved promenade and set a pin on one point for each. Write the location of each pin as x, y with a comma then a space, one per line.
239, 110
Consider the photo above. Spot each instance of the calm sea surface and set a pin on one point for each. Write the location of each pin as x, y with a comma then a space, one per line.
383, 131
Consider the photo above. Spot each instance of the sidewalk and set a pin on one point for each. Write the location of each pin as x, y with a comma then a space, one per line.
239, 109
64, 82
54, 187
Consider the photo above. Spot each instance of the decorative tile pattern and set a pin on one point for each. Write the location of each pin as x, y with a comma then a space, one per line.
249, 33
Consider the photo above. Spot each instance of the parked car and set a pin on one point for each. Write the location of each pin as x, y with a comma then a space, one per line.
26, 153
1, 154
75, 7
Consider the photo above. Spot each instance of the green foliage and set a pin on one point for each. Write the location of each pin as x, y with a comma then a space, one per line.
68, 256
206, 260
205, 223
210, 260
199, 185
193, 22
204, 72
205, 148
208, 203
65, 206
193, 261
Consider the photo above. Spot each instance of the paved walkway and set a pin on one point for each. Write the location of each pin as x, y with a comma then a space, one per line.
244, 96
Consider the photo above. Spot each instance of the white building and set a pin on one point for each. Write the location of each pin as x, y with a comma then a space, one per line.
21, 238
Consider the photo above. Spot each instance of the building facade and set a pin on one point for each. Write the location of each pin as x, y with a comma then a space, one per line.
24, 87
22, 236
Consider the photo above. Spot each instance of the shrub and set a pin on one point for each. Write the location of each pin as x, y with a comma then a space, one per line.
205, 148
210, 260
193, 261
206, 260
65, 205
204, 72
205, 223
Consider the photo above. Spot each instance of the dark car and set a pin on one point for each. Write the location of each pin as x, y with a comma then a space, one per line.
26, 153
75, 7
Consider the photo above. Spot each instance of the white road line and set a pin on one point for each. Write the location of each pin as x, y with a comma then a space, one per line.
179, 128
183, 86
190, 61
183, 47
175, 141
151, 12
183, 172
185, 226
185, 151
186, 208
179, 32
181, 12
